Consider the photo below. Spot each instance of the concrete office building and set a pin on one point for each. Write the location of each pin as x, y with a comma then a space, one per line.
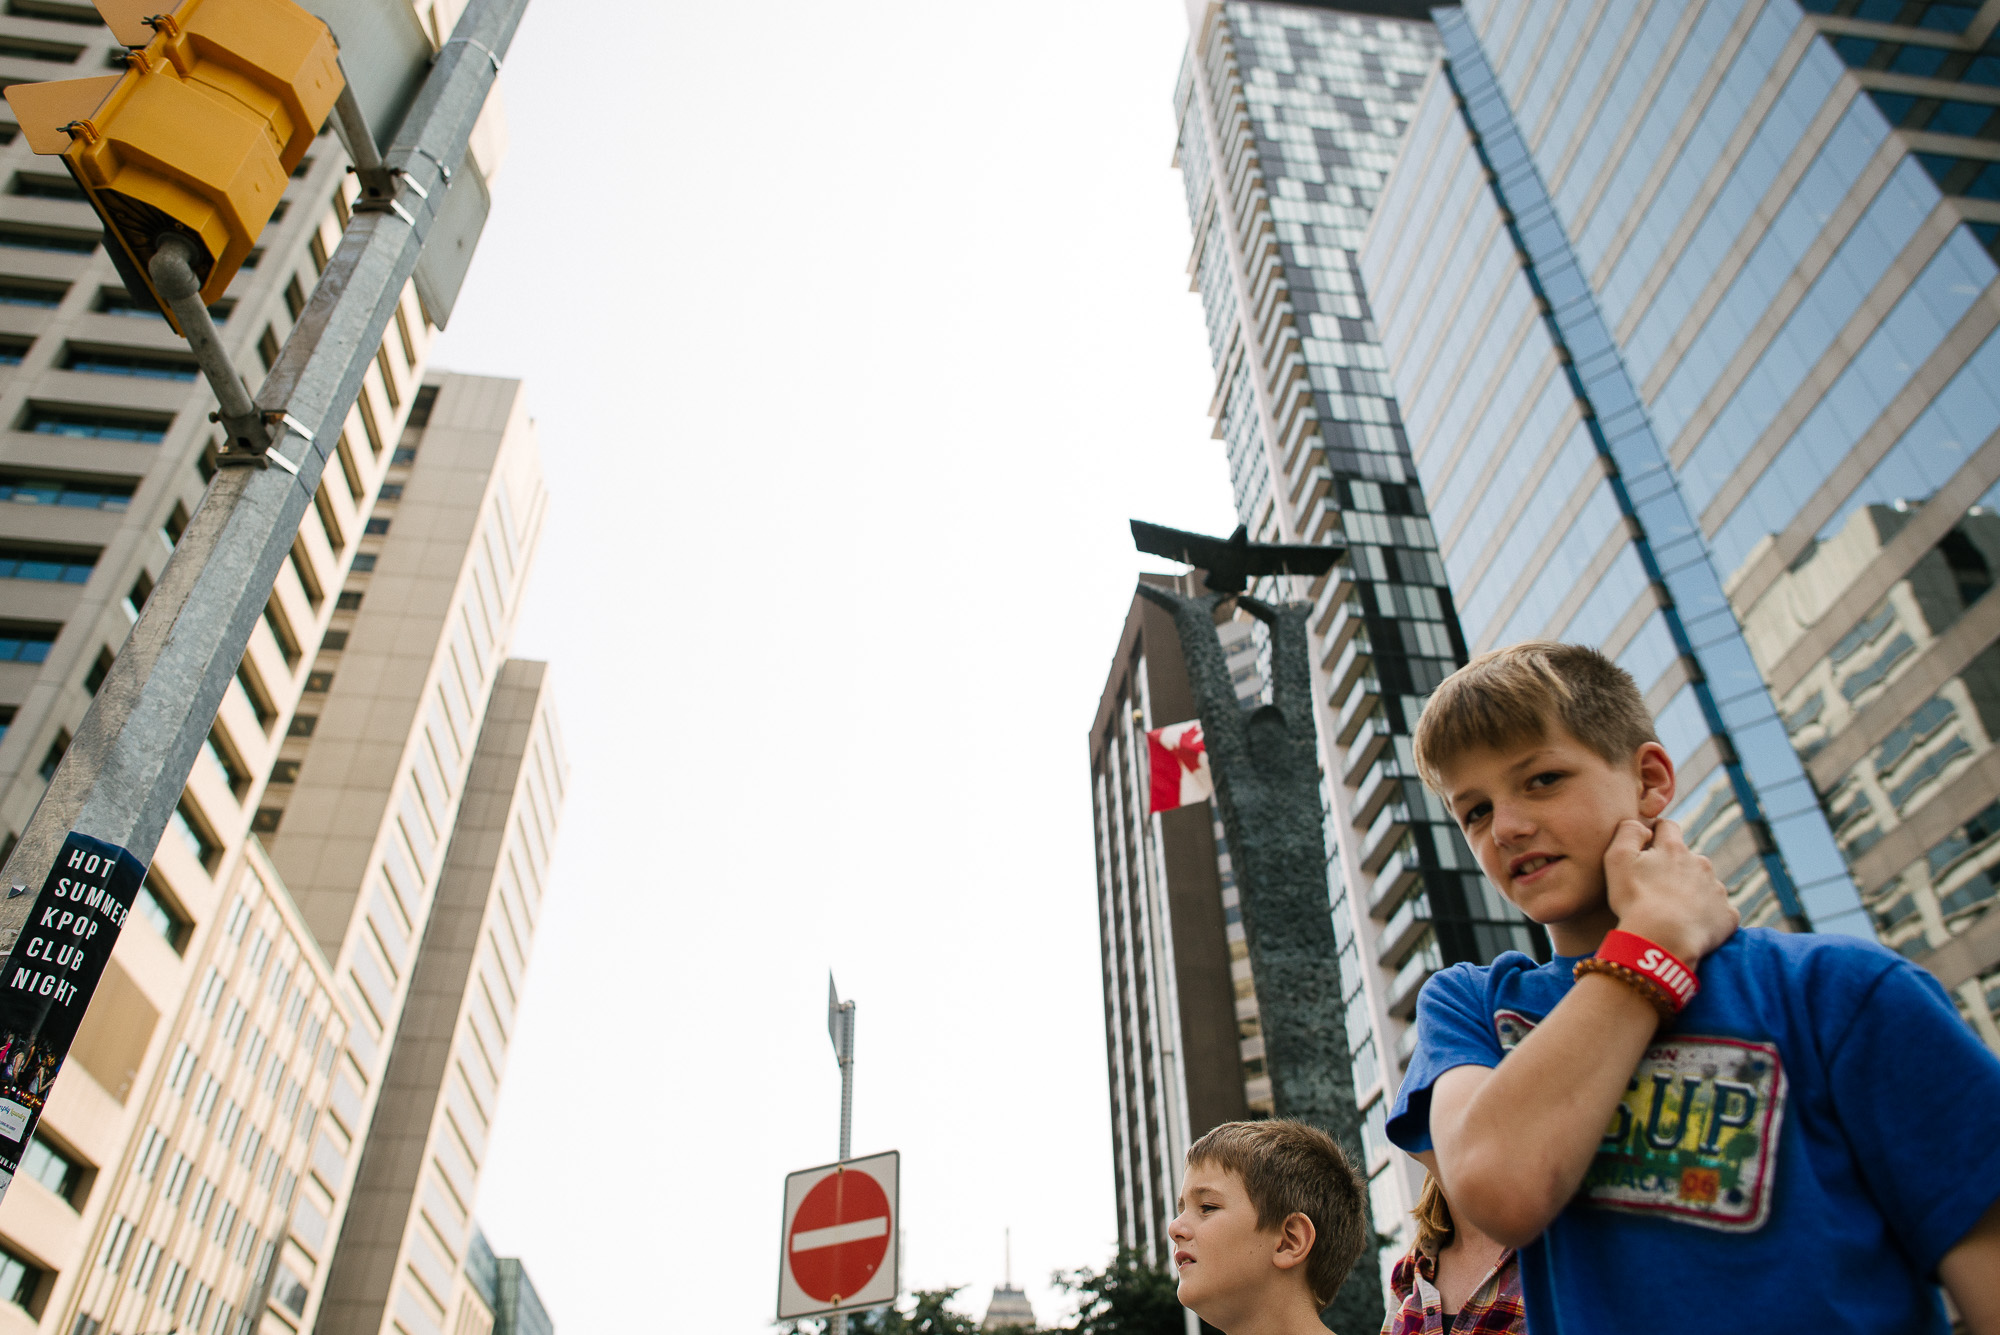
1691, 310
1290, 117
414, 832
1180, 1016
198, 1154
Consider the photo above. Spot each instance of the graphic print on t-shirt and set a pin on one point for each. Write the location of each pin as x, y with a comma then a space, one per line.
1696, 1136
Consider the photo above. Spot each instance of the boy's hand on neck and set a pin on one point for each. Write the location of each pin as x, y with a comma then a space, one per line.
1666, 892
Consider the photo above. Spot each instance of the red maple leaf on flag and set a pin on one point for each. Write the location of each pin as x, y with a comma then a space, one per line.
1189, 748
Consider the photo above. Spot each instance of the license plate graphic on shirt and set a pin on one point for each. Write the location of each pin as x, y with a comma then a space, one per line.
1696, 1136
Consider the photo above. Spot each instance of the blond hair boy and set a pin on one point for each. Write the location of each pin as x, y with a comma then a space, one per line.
1692, 1126
1272, 1217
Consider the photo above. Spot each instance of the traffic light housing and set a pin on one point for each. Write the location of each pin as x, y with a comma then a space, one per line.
218, 103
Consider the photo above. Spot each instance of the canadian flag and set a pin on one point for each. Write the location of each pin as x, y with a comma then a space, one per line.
1180, 766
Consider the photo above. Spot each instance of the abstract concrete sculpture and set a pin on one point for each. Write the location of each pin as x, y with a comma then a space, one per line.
1267, 792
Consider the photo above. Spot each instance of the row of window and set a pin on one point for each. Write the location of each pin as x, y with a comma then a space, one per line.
97, 360
1930, 62
1937, 15
44, 294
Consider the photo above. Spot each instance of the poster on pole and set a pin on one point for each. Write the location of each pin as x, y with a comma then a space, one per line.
48, 978
838, 1249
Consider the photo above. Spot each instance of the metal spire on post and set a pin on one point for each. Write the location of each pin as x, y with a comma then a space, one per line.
840, 1028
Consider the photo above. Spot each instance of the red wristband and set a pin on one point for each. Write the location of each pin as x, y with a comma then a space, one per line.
1641, 956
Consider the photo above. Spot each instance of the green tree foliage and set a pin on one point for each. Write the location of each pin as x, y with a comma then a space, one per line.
1127, 1297
929, 1314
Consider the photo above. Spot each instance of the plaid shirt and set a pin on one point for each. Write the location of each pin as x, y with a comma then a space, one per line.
1495, 1305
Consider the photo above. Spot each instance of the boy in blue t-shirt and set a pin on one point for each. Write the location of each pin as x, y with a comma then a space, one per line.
1810, 1138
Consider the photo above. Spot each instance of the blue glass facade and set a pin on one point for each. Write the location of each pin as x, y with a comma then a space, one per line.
1290, 119
1695, 338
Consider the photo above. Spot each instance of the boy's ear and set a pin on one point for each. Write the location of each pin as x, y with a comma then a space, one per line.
1295, 1241
1656, 780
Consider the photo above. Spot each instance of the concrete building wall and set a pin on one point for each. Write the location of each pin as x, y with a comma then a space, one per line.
194, 1166
405, 1239
1180, 1015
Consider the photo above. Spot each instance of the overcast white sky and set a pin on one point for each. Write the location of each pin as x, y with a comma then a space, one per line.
854, 333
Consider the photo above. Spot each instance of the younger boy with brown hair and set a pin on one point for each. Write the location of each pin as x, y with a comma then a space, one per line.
1692, 1126
1272, 1217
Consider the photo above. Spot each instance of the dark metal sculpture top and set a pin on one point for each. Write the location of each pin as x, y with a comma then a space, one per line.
1229, 564
1267, 793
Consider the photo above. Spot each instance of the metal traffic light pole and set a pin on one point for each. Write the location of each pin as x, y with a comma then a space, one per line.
122, 776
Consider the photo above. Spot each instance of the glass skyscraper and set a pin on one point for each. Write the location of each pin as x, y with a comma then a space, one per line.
1690, 308
1290, 117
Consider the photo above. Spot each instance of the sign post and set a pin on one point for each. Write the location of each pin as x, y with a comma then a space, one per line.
840, 1028
840, 1251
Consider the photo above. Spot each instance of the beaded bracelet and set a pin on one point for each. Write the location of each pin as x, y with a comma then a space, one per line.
1633, 979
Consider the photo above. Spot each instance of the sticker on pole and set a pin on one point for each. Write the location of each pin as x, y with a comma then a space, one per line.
839, 1251
49, 976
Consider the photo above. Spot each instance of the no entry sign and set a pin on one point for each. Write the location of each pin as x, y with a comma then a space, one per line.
839, 1248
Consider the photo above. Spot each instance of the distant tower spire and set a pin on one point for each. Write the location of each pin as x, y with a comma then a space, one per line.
1010, 1309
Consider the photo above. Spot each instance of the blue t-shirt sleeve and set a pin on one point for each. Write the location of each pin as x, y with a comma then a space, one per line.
1915, 1089
1454, 1028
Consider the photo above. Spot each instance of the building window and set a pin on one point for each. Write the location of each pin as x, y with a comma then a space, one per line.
302, 567
253, 691
136, 596
57, 11
20, 1282
392, 491
388, 376
26, 292
289, 1292
99, 670
20, 645
285, 771
12, 350
46, 421
54, 1169
223, 756
117, 361
26, 489
333, 641
403, 455
62, 240
281, 631
157, 909
364, 561
377, 527
267, 820
30, 185
302, 725
55, 755
319, 682
23, 48
420, 411
347, 602
187, 827
72, 567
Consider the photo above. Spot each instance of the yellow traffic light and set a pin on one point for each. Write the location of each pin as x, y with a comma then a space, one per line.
218, 103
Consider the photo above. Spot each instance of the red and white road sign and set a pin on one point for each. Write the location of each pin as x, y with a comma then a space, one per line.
839, 1250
